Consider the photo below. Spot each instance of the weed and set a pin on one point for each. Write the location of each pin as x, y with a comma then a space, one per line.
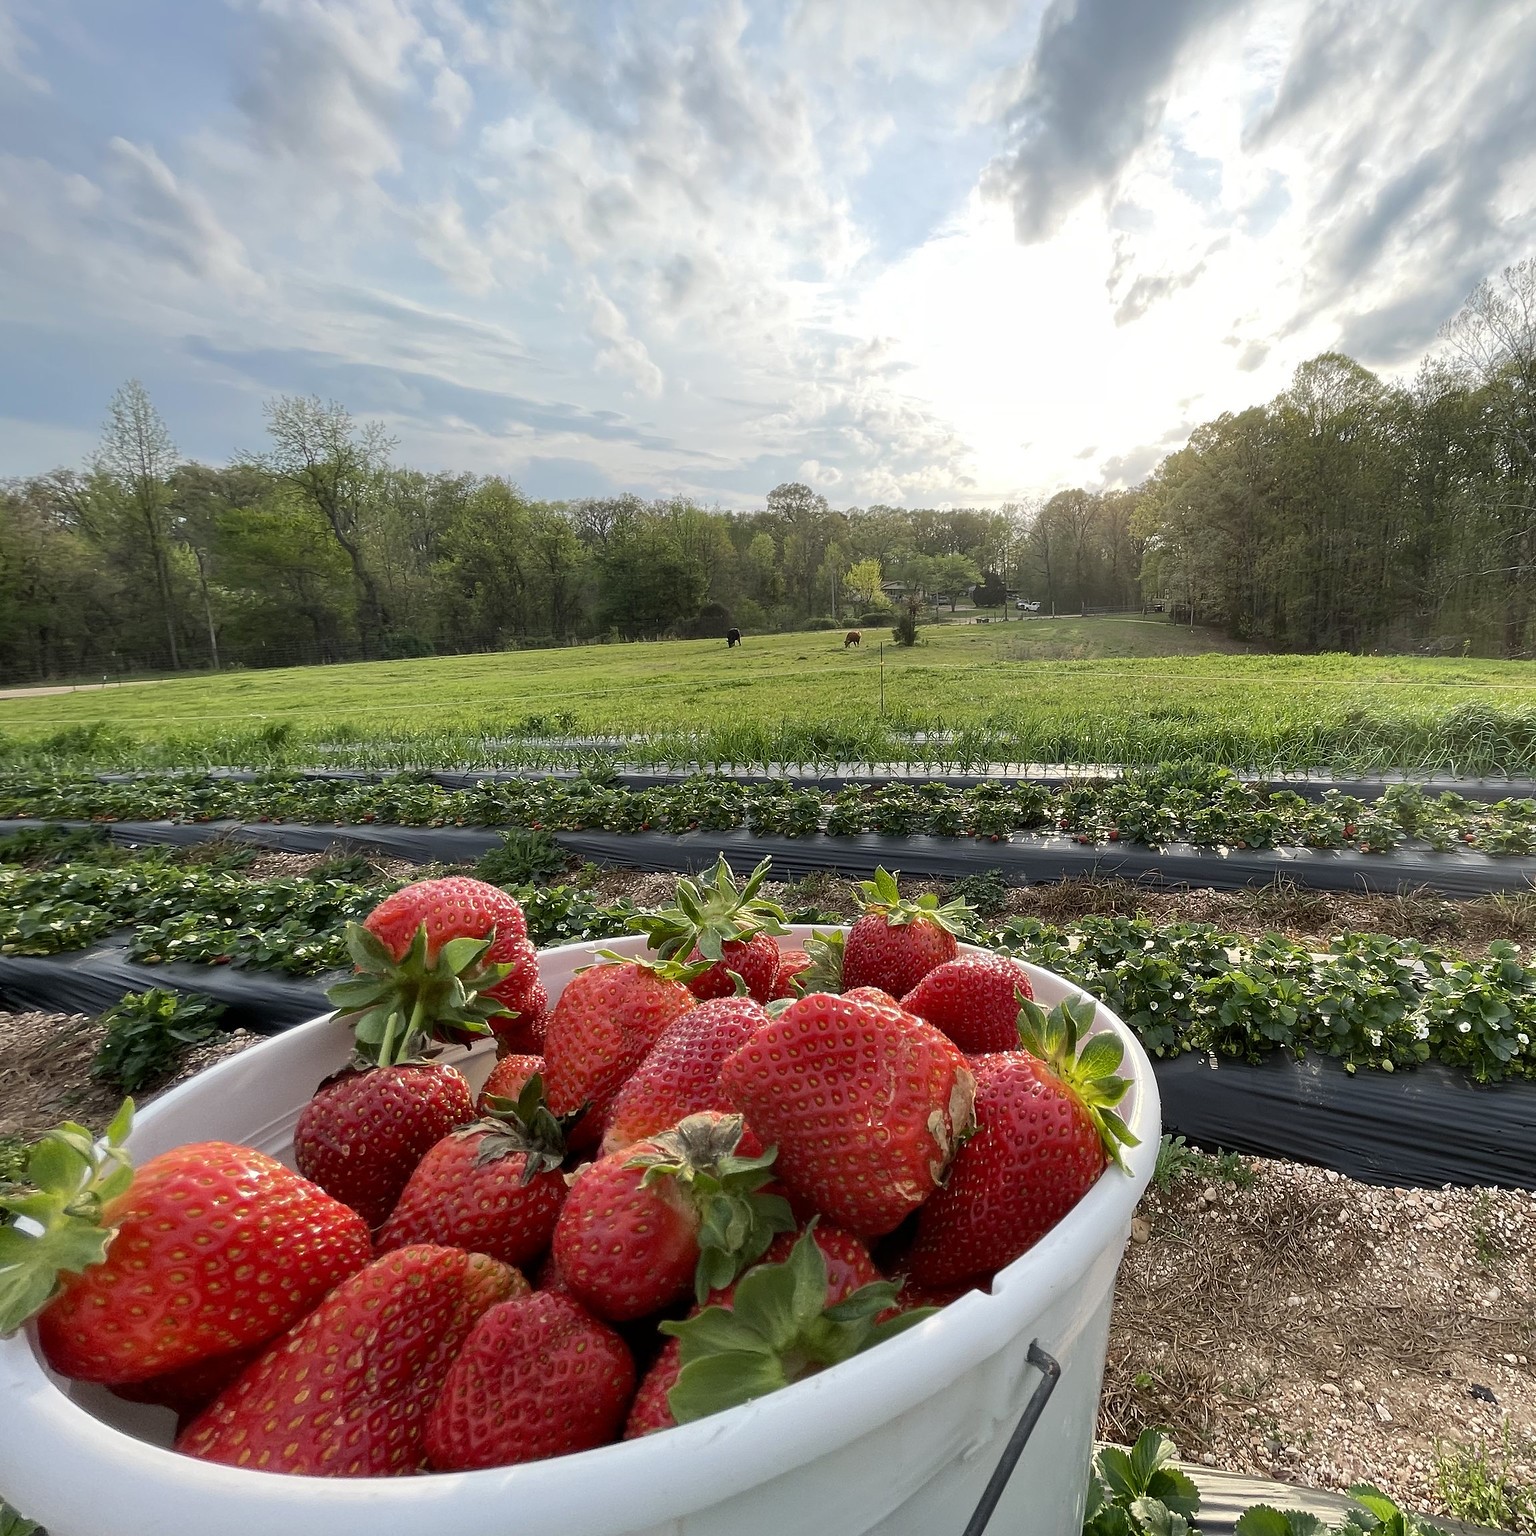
1475, 1484
13, 1159
222, 853
1487, 1242
987, 891
342, 864
148, 1033
45, 847
1177, 1160
525, 857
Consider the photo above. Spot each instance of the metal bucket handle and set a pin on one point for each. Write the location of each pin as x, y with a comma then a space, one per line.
1050, 1374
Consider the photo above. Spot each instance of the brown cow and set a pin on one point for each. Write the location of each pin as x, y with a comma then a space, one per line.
851, 638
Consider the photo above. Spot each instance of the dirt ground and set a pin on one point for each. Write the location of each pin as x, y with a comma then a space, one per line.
1323, 1332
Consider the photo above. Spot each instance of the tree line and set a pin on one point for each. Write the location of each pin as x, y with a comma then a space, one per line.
1348, 513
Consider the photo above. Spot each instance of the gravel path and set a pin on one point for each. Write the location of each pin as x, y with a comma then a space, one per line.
1323, 1332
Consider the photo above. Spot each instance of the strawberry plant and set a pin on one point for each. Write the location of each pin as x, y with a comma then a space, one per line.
1140, 1492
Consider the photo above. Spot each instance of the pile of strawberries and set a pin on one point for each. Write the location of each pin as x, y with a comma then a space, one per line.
704, 1174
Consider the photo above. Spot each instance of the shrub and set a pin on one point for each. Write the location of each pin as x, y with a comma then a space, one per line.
904, 631
875, 618
711, 623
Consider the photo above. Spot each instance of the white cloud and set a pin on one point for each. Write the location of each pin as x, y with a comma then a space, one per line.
709, 250
619, 349
13, 47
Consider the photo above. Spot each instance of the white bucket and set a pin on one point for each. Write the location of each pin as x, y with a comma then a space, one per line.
897, 1442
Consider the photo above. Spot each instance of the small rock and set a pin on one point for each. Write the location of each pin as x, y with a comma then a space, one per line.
1329, 1389
1481, 1393
1141, 1229
1383, 1413
1273, 1447
1206, 1459
1358, 1388
1293, 1301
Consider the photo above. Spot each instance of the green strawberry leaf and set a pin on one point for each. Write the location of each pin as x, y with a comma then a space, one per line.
53, 1223
710, 914
713, 1383
777, 1329
1053, 1039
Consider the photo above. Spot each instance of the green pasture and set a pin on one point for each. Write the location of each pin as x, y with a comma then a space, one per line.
1095, 690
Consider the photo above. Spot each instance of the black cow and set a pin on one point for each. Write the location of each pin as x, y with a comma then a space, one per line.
732, 637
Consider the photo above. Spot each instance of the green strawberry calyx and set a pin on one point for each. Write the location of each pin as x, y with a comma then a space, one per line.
710, 914
397, 1008
666, 969
825, 972
525, 1125
52, 1220
883, 896
1088, 1070
737, 1220
777, 1329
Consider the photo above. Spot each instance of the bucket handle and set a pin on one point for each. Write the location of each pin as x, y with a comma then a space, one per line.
1050, 1374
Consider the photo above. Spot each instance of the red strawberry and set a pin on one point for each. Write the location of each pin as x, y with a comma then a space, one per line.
206, 1250
537, 1377
522, 994
974, 1000
791, 963
493, 1187
754, 959
781, 1324
1045, 1132
865, 1104
190, 1390
607, 1018
714, 921
436, 960
347, 1391
875, 995
455, 908
680, 1210
650, 1410
680, 1075
896, 943
912, 1295
363, 1133
508, 1079
849, 1265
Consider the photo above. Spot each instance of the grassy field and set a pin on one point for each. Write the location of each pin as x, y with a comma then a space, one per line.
1079, 690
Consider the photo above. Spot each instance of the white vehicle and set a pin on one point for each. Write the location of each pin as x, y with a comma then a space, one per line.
1027, 607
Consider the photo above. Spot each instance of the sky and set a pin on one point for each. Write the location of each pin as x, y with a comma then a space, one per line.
920, 252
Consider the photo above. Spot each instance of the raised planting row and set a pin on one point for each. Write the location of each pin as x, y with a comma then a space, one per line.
1203, 807
211, 913
1372, 1001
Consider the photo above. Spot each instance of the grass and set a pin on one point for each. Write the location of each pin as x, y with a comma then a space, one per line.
1476, 1484
1134, 691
